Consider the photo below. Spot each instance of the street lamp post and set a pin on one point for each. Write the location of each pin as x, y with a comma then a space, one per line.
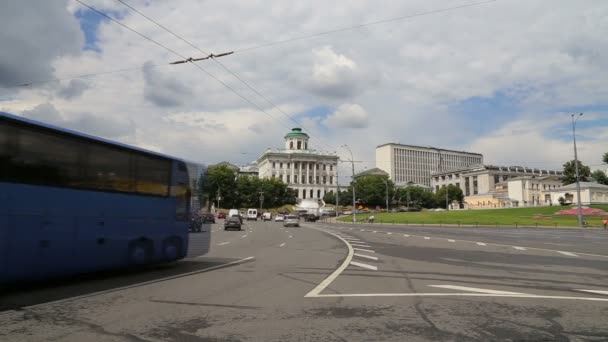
386, 183
352, 159
578, 184
337, 189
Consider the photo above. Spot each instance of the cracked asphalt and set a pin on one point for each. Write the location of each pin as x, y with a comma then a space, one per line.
400, 288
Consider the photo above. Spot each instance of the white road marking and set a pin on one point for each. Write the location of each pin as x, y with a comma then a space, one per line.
475, 289
223, 243
362, 265
594, 299
556, 244
364, 250
450, 240
244, 236
595, 291
290, 236
567, 253
427, 238
350, 228
281, 245
519, 248
325, 283
359, 245
405, 235
481, 244
361, 229
181, 275
374, 231
389, 233
366, 256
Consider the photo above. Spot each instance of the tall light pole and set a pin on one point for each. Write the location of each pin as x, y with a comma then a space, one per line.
337, 189
386, 183
441, 168
578, 184
352, 159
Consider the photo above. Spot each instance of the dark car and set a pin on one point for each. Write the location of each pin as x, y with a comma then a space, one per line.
221, 216
233, 222
208, 218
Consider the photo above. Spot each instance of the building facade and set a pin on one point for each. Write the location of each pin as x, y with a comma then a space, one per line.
489, 186
311, 173
409, 163
591, 193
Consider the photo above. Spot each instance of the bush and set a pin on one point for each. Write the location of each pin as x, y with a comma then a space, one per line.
562, 201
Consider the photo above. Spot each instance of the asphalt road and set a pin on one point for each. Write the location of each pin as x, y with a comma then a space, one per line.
327, 282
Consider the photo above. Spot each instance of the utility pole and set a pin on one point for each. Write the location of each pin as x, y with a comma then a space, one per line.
578, 184
219, 197
352, 159
386, 183
441, 169
261, 200
337, 190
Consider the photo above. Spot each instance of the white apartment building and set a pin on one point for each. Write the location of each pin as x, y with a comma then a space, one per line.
311, 173
409, 163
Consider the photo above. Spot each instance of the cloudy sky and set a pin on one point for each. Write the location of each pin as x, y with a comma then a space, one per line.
499, 78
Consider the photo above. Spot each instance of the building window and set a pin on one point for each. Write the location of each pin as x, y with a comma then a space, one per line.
288, 178
317, 180
331, 179
306, 145
318, 193
475, 189
317, 167
291, 145
467, 186
436, 188
324, 180
295, 165
288, 165
274, 165
303, 179
281, 165
303, 193
324, 167
310, 180
310, 166
281, 177
299, 145
458, 185
496, 179
450, 177
273, 176
504, 177
311, 193
331, 167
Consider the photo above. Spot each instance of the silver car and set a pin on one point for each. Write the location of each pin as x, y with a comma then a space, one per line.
291, 221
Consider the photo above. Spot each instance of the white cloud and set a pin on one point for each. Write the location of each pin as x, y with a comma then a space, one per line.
348, 116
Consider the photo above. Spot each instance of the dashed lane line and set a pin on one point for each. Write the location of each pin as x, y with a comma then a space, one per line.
290, 236
223, 243
418, 294
244, 236
451, 240
281, 245
481, 244
427, 238
405, 235
519, 248
389, 233
595, 291
362, 265
567, 253
366, 256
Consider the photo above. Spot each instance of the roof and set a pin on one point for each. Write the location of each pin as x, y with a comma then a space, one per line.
82, 135
372, 172
534, 177
526, 171
429, 148
584, 185
296, 133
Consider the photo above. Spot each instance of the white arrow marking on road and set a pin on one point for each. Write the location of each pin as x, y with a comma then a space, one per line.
223, 243
592, 291
366, 256
427, 238
281, 245
362, 265
364, 250
567, 253
519, 248
244, 236
450, 240
481, 244
475, 289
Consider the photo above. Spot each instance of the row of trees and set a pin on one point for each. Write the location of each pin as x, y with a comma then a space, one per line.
584, 172
371, 191
222, 182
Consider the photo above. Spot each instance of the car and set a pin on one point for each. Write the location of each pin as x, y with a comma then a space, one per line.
279, 218
233, 222
208, 218
252, 214
266, 216
291, 221
221, 216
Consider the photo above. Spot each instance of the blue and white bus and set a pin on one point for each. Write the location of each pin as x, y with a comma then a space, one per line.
73, 203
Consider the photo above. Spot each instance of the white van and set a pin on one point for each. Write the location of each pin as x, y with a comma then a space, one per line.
252, 214
233, 212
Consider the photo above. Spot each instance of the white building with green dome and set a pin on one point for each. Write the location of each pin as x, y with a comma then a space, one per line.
311, 173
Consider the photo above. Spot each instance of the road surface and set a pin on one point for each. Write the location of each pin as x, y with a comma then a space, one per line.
337, 282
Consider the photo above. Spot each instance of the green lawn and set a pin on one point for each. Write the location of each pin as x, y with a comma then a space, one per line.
541, 216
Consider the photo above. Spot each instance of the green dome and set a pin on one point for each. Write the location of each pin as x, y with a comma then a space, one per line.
296, 133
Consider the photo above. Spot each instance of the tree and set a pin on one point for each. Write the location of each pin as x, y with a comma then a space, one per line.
330, 198
371, 190
219, 180
415, 196
454, 194
570, 173
605, 158
599, 176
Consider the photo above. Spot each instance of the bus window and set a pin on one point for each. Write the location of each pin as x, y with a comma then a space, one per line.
153, 175
108, 169
182, 195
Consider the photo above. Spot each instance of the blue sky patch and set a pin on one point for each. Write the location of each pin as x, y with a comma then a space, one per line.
486, 113
563, 130
89, 24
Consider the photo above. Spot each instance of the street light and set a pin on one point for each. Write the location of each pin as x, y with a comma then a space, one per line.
440, 168
578, 184
352, 159
386, 183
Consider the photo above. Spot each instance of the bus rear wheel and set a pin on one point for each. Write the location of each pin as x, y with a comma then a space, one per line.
172, 249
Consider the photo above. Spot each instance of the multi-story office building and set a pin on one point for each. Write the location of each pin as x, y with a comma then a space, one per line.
311, 173
409, 163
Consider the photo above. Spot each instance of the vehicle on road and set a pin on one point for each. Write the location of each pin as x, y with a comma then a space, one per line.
279, 218
291, 221
92, 204
252, 214
233, 222
196, 223
208, 218
266, 216
221, 216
